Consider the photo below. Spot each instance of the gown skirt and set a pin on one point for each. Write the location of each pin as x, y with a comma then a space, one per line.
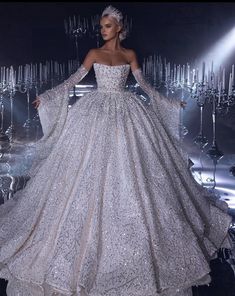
111, 208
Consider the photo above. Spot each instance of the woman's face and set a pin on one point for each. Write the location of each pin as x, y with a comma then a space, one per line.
109, 28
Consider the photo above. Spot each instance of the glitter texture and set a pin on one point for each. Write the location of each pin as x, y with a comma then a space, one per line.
111, 208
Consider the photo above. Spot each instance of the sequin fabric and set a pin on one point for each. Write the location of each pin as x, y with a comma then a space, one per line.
112, 209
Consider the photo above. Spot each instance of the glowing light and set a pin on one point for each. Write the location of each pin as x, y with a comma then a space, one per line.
220, 51
85, 86
227, 190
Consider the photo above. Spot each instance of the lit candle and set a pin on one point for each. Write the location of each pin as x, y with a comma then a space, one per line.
4, 75
175, 72
223, 79
188, 73
209, 78
194, 76
7, 75
219, 93
216, 81
178, 74
230, 85
31, 73
183, 72
233, 75
18, 76
172, 74
36, 72
206, 82
166, 72
11, 78
40, 72
169, 69
203, 72
212, 79
197, 75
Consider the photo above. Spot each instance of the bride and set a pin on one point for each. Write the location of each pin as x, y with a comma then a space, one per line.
111, 208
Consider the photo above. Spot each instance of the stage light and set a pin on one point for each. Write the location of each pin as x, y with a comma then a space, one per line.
220, 52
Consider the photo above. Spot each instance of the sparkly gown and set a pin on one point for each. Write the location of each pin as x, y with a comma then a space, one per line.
111, 208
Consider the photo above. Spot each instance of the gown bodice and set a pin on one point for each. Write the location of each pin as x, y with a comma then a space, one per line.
111, 78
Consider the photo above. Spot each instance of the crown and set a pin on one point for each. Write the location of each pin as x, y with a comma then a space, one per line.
114, 12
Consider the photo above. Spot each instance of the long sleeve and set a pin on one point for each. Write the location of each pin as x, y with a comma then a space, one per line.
150, 91
53, 111
166, 109
66, 85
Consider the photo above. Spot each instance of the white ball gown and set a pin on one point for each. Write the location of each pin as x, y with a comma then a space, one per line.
111, 208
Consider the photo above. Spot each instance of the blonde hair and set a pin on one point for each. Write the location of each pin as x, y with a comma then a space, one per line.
117, 15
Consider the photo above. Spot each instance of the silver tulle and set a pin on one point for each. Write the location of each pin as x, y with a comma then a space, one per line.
111, 208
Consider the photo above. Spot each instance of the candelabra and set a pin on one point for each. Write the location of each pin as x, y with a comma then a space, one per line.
4, 139
172, 82
94, 30
182, 81
211, 89
221, 103
214, 153
183, 128
76, 28
27, 79
10, 91
197, 92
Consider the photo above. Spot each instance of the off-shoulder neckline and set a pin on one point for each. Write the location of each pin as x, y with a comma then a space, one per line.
111, 65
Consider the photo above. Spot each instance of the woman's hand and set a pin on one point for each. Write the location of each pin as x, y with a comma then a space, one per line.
36, 102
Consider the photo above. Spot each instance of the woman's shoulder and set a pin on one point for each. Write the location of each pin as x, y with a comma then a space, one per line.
129, 52
93, 51
96, 52
130, 55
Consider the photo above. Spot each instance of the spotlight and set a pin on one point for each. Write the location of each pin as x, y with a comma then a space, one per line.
220, 51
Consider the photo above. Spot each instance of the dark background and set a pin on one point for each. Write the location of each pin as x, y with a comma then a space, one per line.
181, 31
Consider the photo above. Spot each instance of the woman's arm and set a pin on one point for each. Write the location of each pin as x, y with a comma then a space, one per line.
140, 79
71, 81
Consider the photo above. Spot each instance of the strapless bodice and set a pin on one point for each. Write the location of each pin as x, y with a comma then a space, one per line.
111, 78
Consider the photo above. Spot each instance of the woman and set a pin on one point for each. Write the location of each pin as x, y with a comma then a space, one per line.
111, 207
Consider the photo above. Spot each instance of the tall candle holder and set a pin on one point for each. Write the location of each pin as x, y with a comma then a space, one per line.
94, 29
10, 89
182, 127
198, 93
76, 28
213, 152
10, 132
25, 84
4, 138
221, 103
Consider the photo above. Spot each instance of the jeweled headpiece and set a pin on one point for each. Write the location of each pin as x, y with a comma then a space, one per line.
113, 12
